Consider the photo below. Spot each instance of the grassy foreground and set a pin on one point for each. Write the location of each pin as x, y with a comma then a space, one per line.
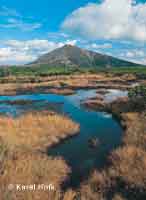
23, 160
26, 168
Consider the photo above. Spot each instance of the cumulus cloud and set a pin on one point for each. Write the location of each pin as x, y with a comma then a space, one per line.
21, 52
7, 56
110, 19
42, 46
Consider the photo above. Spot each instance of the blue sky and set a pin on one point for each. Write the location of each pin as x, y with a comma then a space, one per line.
30, 28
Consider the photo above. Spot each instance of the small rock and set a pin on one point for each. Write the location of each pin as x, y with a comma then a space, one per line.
93, 142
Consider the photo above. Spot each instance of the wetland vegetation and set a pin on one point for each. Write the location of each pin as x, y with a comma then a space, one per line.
46, 124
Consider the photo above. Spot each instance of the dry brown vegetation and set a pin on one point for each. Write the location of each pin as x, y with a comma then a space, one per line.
123, 179
36, 130
26, 168
118, 197
63, 91
135, 133
129, 166
21, 85
20, 161
125, 176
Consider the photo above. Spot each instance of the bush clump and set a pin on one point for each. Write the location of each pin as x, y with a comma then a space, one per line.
137, 96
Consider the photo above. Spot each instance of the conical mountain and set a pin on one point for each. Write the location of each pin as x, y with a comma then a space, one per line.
73, 56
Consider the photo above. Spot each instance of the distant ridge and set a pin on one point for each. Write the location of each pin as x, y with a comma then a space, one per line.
73, 56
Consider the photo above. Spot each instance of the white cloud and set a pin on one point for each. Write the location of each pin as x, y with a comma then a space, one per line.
33, 45
101, 46
130, 54
20, 24
7, 56
21, 52
71, 42
110, 19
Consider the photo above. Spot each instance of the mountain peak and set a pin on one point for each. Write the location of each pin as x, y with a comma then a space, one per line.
69, 45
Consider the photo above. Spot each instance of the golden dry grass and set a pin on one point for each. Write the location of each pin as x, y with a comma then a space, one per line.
118, 197
26, 168
61, 91
129, 165
125, 174
87, 193
21, 163
70, 195
36, 130
135, 133
13, 85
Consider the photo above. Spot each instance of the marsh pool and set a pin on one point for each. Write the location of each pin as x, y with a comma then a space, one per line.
75, 150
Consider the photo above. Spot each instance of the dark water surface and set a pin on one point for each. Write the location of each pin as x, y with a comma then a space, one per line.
75, 150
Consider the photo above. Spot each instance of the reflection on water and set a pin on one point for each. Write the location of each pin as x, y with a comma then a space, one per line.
114, 94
